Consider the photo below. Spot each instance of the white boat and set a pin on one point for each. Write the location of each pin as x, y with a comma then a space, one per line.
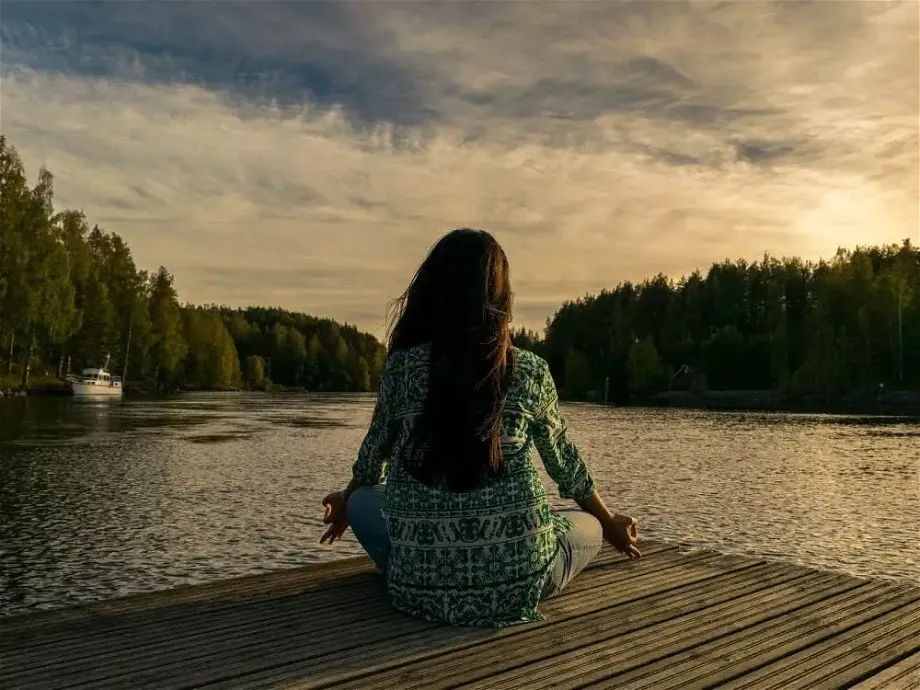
96, 383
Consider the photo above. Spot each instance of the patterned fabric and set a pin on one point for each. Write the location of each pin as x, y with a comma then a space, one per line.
482, 557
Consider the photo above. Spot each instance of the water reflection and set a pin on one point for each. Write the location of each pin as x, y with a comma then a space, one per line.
100, 500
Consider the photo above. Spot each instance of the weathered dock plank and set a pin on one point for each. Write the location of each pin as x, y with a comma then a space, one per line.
675, 619
904, 675
886, 633
726, 658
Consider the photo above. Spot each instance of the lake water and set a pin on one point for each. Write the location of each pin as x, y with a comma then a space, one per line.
99, 500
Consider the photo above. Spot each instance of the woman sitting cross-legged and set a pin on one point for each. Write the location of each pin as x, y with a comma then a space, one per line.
445, 496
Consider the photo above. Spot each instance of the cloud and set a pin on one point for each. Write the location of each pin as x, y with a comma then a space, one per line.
307, 154
759, 151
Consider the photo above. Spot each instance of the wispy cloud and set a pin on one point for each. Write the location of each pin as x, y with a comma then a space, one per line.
307, 154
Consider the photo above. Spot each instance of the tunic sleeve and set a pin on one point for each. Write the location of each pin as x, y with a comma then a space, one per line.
374, 454
560, 456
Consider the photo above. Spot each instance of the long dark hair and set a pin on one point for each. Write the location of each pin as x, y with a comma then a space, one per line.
459, 302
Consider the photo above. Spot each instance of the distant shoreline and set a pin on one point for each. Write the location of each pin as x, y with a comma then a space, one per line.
892, 403
58, 389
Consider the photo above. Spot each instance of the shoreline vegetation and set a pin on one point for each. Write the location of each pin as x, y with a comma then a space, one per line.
785, 334
71, 296
897, 403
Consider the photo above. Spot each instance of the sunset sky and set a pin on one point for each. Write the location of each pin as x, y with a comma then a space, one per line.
306, 155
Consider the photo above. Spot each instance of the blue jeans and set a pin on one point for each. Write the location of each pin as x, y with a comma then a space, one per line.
577, 548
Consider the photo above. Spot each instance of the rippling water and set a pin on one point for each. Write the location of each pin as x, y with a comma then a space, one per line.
104, 499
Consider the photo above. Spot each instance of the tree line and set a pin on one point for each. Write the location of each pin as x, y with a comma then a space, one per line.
71, 296
832, 327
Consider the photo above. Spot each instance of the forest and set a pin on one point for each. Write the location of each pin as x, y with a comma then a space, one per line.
71, 296
833, 327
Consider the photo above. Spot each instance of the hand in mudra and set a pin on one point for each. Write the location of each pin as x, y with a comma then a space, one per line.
336, 517
622, 533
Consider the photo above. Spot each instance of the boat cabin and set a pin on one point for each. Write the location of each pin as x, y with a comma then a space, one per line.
93, 375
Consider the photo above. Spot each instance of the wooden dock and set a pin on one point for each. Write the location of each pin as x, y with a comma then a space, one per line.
674, 619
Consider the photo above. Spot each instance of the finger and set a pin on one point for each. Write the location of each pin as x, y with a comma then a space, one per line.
326, 536
634, 552
335, 532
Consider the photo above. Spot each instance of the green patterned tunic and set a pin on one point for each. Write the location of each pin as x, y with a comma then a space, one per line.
477, 558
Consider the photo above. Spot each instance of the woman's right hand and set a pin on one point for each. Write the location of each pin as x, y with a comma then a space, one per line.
336, 516
622, 532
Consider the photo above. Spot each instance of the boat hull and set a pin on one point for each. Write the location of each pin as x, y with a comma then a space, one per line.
95, 390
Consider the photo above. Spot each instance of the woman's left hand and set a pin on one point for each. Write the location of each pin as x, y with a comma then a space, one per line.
622, 532
336, 516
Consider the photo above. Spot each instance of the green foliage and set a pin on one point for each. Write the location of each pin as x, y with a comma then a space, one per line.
36, 295
211, 361
644, 365
829, 327
168, 346
723, 358
70, 296
302, 351
255, 371
526, 340
577, 374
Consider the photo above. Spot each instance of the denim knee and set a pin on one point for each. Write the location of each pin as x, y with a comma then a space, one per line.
365, 515
365, 507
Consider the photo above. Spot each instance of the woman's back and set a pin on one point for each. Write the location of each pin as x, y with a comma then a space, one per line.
462, 527
479, 557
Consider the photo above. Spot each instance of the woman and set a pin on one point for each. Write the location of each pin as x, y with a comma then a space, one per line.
445, 496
